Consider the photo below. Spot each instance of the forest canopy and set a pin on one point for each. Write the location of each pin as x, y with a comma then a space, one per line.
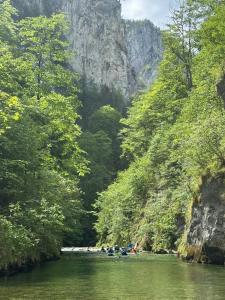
40, 158
174, 134
58, 139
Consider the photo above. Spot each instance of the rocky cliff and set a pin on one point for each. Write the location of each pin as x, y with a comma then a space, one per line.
144, 46
109, 51
205, 240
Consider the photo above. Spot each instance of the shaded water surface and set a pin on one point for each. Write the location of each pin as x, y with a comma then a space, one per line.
97, 278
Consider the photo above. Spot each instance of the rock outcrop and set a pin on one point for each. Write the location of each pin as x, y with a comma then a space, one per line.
109, 51
205, 241
144, 45
33, 8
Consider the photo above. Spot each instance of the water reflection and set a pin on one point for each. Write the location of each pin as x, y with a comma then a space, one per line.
141, 277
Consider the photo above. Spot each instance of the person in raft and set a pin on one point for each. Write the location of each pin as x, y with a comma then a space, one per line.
103, 249
110, 251
117, 249
135, 249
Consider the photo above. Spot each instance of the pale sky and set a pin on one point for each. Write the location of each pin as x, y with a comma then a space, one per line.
157, 11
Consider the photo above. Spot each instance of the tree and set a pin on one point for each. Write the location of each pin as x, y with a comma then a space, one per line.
8, 28
44, 47
173, 135
40, 158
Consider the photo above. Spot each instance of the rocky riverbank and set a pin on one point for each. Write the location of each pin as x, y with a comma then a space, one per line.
205, 236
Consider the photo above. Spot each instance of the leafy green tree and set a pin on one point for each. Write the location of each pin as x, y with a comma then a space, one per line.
8, 28
106, 118
40, 158
102, 145
173, 135
45, 48
10, 108
158, 108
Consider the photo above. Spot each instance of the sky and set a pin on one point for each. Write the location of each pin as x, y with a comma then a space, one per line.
157, 11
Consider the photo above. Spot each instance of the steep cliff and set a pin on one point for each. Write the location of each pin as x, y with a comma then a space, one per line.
33, 8
205, 237
144, 45
108, 50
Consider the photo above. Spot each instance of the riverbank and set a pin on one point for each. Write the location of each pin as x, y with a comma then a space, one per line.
25, 267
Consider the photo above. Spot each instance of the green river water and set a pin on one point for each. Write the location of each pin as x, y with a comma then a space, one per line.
99, 277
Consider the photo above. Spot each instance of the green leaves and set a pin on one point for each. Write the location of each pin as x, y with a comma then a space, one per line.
43, 44
40, 158
10, 109
173, 135
8, 28
102, 146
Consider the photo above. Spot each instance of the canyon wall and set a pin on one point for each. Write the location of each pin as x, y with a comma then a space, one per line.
144, 46
109, 51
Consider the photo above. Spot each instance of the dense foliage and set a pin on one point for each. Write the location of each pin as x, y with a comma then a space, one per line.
47, 183
174, 134
51, 171
102, 145
40, 156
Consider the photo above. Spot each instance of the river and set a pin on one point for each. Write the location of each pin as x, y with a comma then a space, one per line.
99, 277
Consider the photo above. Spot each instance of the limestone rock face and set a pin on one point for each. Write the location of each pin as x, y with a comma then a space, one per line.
98, 39
33, 8
206, 233
144, 45
109, 51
